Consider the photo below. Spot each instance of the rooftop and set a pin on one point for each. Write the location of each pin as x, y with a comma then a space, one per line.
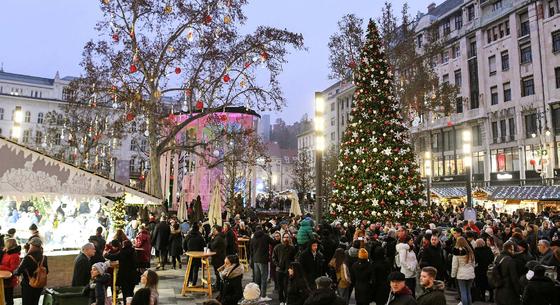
35, 80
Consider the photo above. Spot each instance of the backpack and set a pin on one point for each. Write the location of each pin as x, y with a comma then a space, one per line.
495, 278
39, 277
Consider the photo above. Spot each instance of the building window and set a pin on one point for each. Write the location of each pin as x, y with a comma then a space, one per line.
342, 120
552, 5
502, 131
38, 137
478, 162
132, 165
557, 76
511, 125
506, 24
472, 47
458, 78
495, 132
492, 64
446, 27
57, 138
332, 121
1, 113
489, 36
143, 145
59, 120
506, 159
445, 57
507, 92
456, 51
419, 41
26, 136
133, 144
332, 106
445, 79
496, 5
27, 117
459, 104
458, 21
470, 12
0, 131
332, 136
556, 41
40, 118
494, 95
505, 60
525, 51
524, 29
527, 86
530, 124
477, 135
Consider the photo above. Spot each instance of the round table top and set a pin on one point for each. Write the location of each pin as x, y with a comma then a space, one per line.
243, 239
139, 249
198, 254
5, 274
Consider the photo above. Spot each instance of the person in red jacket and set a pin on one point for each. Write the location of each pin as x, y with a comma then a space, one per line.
10, 262
143, 242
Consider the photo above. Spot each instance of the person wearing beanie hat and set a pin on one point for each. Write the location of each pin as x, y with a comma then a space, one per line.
98, 284
362, 277
324, 294
252, 295
540, 289
400, 293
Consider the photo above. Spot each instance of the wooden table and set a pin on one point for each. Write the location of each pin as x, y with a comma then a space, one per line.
205, 267
242, 250
3, 275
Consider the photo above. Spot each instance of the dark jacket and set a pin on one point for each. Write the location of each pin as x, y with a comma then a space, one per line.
260, 245
312, 265
540, 291
362, 276
324, 297
127, 275
175, 242
160, 236
232, 288
434, 295
381, 270
511, 290
391, 249
433, 256
28, 266
282, 256
297, 291
231, 242
402, 297
194, 242
82, 268
521, 259
483, 257
96, 290
218, 245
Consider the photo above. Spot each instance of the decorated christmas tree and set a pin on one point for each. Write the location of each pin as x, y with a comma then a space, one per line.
118, 213
377, 177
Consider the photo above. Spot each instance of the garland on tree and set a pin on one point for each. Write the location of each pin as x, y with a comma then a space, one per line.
118, 213
377, 177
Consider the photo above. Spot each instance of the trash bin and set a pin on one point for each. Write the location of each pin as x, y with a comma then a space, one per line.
66, 296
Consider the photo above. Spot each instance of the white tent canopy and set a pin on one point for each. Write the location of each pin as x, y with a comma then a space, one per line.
26, 173
215, 209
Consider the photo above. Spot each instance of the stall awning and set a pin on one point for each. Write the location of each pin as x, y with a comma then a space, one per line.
526, 193
449, 191
26, 173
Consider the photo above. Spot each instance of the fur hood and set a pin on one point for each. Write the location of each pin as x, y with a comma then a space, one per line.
17, 249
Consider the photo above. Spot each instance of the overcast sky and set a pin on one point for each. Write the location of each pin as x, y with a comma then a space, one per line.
40, 37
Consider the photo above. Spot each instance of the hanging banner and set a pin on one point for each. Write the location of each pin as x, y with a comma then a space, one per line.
501, 161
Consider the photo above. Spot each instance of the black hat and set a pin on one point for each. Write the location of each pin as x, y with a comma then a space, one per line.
396, 276
323, 282
33, 227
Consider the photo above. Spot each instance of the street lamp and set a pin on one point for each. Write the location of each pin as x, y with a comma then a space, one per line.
319, 147
467, 162
18, 119
428, 173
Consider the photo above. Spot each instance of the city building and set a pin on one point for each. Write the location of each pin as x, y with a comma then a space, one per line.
265, 128
279, 172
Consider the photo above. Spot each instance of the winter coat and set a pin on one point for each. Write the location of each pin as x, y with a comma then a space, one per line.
297, 291
312, 265
305, 232
175, 242
433, 296
402, 297
232, 288
194, 242
391, 249
10, 262
381, 270
483, 257
351, 256
433, 257
324, 297
218, 245
97, 289
82, 268
362, 276
143, 241
231, 242
521, 260
126, 275
540, 291
282, 256
160, 236
407, 260
460, 268
28, 266
260, 245
511, 290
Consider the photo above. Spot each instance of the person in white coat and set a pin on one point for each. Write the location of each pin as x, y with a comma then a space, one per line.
406, 260
462, 268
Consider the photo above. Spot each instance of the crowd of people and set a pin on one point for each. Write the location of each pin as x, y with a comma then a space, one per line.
505, 259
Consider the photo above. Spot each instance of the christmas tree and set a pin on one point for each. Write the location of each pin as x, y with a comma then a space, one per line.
377, 177
118, 213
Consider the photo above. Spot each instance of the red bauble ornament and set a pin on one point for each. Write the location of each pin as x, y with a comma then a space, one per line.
142, 177
449, 124
129, 117
264, 55
247, 64
223, 117
199, 105
207, 19
532, 162
171, 117
133, 68
352, 65
177, 70
115, 37
226, 78
367, 213
386, 122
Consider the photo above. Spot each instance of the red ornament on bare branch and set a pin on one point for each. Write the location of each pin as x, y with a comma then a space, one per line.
177, 70
133, 68
226, 78
207, 19
199, 105
115, 37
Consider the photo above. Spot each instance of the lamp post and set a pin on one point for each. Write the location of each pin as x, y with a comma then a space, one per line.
16, 127
428, 173
319, 147
467, 162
